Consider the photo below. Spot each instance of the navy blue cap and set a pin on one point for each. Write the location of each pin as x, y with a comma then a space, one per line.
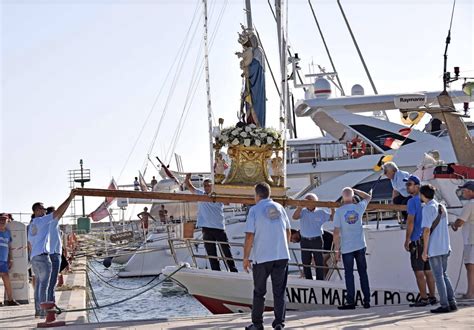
413, 178
468, 185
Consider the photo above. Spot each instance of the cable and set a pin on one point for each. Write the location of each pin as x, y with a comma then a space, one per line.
59, 310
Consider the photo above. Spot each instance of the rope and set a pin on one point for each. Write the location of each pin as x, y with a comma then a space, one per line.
121, 288
59, 310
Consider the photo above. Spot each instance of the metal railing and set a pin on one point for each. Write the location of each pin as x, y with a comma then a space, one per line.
188, 243
323, 152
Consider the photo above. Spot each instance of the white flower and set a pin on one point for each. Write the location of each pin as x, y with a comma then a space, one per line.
248, 128
243, 134
252, 126
235, 132
247, 142
258, 143
269, 140
262, 135
235, 142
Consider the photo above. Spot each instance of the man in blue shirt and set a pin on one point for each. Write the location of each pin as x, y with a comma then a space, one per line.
414, 245
437, 247
400, 195
349, 240
267, 233
55, 250
38, 237
311, 233
6, 259
210, 218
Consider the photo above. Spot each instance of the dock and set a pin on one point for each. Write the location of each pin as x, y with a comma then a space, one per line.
71, 295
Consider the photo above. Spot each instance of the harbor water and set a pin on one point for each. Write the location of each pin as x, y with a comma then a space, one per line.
161, 301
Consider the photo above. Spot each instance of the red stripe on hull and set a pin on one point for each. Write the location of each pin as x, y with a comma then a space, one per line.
217, 306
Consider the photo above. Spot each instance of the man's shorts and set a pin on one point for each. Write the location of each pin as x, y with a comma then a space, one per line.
468, 256
416, 252
3, 266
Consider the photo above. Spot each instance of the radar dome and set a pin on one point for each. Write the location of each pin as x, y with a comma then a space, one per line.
357, 90
322, 88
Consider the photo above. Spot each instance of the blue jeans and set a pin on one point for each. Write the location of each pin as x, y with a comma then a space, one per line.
42, 269
439, 266
55, 263
278, 272
348, 261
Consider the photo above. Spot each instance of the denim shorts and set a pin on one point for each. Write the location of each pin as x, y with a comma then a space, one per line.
3, 266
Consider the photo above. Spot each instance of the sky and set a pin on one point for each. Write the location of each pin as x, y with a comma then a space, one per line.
82, 79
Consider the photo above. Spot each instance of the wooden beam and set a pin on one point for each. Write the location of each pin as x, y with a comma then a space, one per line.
218, 198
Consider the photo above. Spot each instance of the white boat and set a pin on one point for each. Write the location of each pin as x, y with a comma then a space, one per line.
391, 278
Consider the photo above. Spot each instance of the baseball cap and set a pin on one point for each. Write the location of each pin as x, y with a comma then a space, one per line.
468, 185
414, 179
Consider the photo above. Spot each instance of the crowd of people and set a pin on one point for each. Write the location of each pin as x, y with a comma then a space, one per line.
268, 234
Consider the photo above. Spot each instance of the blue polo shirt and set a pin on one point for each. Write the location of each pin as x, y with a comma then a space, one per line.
39, 234
348, 218
268, 221
210, 215
311, 222
438, 243
55, 244
5, 240
398, 184
414, 208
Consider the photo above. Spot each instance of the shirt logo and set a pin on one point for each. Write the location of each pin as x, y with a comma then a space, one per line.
351, 217
273, 213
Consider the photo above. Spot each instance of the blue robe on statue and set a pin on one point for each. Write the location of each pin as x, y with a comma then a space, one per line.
256, 81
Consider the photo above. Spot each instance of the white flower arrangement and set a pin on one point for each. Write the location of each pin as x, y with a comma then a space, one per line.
249, 135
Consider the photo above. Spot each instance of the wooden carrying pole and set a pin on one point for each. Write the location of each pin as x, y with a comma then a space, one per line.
219, 198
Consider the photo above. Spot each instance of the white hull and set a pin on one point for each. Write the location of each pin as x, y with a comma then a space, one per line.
391, 279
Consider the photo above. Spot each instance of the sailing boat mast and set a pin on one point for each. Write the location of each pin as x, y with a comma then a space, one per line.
282, 23
208, 89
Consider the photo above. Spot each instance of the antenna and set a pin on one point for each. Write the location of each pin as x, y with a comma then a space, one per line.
446, 74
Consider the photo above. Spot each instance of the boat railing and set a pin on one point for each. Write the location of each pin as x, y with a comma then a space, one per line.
331, 267
321, 152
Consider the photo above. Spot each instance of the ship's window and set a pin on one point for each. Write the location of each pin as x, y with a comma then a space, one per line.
378, 136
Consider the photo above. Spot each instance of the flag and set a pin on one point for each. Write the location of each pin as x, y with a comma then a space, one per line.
141, 180
394, 143
167, 171
112, 186
101, 212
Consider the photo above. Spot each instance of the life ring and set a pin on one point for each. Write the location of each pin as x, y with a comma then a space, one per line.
356, 148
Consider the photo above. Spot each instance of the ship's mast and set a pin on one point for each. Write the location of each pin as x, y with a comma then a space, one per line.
208, 89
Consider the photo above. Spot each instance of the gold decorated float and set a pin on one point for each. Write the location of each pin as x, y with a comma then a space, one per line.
254, 154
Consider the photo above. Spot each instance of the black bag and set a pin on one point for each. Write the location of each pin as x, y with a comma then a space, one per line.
64, 263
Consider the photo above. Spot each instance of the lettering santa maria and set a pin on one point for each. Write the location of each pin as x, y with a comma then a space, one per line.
334, 296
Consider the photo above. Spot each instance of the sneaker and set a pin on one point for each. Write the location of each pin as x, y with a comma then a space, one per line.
423, 302
432, 300
254, 327
441, 309
453, 307
366, 305
348, 306
278, 327
11, 303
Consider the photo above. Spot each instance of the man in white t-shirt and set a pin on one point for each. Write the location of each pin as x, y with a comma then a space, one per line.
466, 221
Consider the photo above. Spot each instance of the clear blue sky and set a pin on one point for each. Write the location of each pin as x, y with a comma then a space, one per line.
80, 77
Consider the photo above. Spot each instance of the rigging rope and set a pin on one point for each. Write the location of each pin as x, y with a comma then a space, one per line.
59, 310
180, 50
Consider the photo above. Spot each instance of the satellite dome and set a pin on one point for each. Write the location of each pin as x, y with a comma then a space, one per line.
322, 88
357, 90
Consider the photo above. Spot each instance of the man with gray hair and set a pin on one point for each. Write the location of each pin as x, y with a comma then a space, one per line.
349, 241
311, 232
400, 194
